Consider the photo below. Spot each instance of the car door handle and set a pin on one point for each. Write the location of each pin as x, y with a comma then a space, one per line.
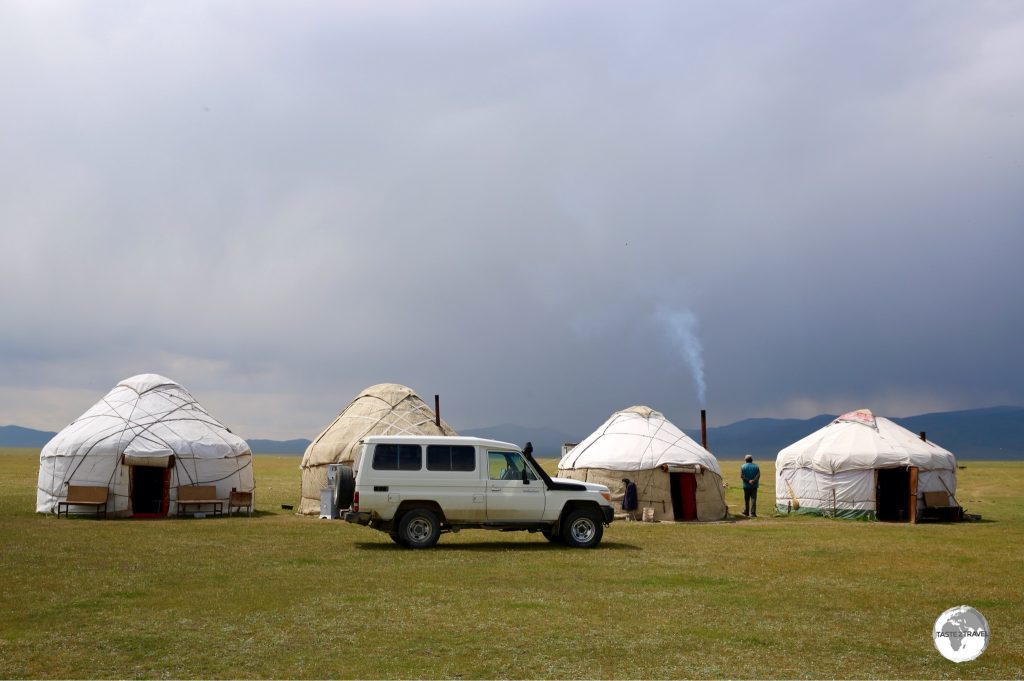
495, 489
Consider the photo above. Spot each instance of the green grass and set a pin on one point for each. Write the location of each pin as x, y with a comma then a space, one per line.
281, 596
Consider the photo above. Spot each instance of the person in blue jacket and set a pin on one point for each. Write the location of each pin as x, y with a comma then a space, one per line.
751, 476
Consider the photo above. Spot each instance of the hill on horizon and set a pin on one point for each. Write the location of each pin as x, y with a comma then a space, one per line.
995, 433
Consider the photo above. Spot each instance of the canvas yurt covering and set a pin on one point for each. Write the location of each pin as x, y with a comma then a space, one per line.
143, 440
862, 466
382, 409
674, 476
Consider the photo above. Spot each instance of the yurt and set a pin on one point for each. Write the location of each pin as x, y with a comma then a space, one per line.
675, 477
383, 409
143, 440
863, 466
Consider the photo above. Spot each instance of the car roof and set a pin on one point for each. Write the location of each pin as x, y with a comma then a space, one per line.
439, 440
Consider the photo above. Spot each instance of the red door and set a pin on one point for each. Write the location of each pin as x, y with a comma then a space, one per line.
165, 501
688, 492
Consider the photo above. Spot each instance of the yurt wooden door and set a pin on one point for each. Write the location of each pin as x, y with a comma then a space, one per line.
896, 494
150, 491
684, 495
912, 502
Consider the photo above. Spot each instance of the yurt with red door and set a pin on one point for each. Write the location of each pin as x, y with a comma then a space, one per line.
675, 477
143, 441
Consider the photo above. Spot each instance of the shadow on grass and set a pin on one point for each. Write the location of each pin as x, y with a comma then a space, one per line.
499, 546
172, 516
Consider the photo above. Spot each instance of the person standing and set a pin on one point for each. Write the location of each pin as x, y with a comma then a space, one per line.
629, 500
751, 476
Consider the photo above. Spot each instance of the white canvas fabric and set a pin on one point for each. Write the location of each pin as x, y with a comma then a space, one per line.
641, 444
382, 409
861, 441
146, 420
638, 438
833, 470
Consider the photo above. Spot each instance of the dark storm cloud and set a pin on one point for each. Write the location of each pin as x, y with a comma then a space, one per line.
278, 205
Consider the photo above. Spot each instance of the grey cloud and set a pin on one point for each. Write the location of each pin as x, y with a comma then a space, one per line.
493, 202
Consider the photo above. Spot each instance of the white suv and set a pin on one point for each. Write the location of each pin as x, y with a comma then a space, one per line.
414, 488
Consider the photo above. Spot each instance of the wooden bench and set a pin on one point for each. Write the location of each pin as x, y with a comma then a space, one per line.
937, 507
240, 500
199, 496
85, 495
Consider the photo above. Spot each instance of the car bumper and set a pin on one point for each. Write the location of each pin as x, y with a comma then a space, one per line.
357, 517
609, 514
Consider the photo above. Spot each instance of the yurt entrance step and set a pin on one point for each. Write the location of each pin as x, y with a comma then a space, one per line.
896, 494
150, 491
684, 495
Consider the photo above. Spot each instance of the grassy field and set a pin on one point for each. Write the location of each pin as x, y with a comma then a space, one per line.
281, 596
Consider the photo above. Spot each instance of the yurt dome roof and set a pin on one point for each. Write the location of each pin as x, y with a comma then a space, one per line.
859, 440
148, 415
638, 438
382, 409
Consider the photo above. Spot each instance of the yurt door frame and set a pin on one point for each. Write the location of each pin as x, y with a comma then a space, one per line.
684, 495
896, 494
149, 490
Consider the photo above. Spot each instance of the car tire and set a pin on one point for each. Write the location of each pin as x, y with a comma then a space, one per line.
582, 529
552, 536
395, 538
346, 487
419, 528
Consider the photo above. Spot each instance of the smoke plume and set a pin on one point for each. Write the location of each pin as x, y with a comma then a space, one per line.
682, 330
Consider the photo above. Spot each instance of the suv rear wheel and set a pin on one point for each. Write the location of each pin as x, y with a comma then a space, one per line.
551, 535
419, 528
582, 528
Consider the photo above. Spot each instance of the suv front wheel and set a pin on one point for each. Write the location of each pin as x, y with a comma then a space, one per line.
419, 528
582, 528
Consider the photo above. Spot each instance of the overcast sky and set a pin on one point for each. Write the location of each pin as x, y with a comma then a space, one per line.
543, 211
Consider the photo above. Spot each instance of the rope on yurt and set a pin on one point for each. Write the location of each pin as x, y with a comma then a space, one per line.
948, 492
403, 423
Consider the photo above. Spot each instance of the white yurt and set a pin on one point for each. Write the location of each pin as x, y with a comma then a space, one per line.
143, 440
674, 476
382, 409
862, 466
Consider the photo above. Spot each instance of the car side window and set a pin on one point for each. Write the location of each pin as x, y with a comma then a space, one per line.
458, 458
508, 466
388, 457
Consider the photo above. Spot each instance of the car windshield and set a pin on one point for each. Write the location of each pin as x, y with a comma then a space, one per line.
508, 466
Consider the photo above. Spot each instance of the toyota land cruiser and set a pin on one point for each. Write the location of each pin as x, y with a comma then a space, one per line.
414, 488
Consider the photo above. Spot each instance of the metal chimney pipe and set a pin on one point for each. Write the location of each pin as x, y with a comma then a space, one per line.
923, 438
437, 410
704, 428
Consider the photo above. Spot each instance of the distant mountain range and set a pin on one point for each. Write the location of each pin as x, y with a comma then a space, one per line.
16, 436
278, 446
993, 433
